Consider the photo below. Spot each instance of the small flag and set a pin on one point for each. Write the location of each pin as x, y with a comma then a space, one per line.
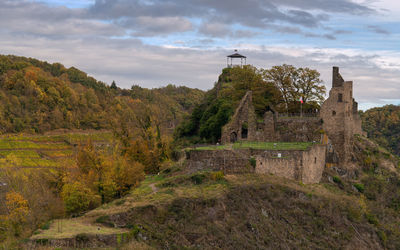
301, 99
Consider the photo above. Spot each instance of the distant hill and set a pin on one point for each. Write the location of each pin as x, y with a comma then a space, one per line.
383, 125
37, 96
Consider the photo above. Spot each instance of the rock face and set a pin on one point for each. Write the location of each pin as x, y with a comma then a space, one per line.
341, 120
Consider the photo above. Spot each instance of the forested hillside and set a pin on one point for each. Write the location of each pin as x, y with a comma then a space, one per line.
383, 125
37, 96
80, 142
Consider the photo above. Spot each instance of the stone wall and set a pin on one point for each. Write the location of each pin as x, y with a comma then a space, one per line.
243, 124
305, 166
271, 129
313, 164
297, 129
229, 161
288, 166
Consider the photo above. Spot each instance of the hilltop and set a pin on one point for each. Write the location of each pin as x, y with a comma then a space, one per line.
37, 97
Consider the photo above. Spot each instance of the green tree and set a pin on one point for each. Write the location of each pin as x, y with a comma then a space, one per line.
113, 85
78, 198
295, 83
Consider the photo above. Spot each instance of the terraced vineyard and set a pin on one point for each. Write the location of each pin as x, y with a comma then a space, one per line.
47, 151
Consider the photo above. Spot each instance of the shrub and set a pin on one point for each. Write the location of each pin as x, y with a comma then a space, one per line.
78, 198
82, 237
359, 187
45, 226
337, 180
217, 176
198, 178
382, 236
252, 162
104, 220
371, 219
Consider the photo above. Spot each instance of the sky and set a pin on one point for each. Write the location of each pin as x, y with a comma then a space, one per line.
153, 43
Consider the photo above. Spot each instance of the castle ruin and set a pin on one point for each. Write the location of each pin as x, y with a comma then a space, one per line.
332, 132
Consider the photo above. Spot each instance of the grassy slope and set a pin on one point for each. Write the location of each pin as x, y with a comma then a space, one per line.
238, 211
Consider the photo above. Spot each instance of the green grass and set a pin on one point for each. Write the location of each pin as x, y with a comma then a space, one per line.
260, 145
211, 147
67, 228
273, 145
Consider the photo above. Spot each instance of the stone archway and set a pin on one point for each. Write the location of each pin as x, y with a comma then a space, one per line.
233, 137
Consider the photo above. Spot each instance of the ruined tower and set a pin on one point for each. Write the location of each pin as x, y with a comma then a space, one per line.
243, 124
341, 120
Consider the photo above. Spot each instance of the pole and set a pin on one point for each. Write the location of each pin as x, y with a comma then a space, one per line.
301, 108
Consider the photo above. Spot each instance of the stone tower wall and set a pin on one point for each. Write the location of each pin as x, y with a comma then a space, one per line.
340, 118
244, 114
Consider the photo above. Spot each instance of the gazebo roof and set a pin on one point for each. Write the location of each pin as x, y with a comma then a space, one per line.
236, 55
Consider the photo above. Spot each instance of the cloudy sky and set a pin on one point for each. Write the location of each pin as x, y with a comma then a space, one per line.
185, 42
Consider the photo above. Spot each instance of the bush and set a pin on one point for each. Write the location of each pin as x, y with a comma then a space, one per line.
104, 220
371, 219
253, 162
78, 198
45, 226
217, 176
198, 178
82, 237
359, 187
382, 236
337, 180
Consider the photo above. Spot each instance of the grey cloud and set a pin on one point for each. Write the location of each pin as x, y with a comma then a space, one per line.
151, 26
163, 17
255, 13
341, 32
223, 30
215, 29
336, 6
25, 17
377, 29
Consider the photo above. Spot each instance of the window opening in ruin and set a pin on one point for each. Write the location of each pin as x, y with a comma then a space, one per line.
333, 113
315, 160
244, 130
340, 98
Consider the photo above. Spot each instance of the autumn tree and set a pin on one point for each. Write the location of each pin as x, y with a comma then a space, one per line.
18, 209
78, 198
295, 84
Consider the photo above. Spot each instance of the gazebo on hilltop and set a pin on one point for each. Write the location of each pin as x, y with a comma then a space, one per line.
236, 55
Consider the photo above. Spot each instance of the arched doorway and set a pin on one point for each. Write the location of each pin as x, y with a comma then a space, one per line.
233, 137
